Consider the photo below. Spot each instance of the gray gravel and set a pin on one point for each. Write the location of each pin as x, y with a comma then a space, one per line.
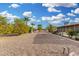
36, 44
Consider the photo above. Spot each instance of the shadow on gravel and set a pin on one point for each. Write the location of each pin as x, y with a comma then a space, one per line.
42, 39
9, 35
52, 39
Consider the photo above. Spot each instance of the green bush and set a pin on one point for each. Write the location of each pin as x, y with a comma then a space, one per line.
51, 28
39, 27
71, 33
9, 29
3, 23
20, 27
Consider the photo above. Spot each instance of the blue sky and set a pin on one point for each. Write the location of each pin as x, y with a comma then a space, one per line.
57, 14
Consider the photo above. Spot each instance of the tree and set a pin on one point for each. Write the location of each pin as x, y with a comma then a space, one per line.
20, 27
32, 24
26, 19
3, 20
51, 28
31, 28
3, 23
71, 33
40, 27
9, 29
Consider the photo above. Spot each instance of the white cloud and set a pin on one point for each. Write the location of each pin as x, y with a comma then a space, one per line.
60, 22
33, 20
48, 5
76, 11
44, 18
14, 5
55, 20
52, 18
9, 16
59, 4
34, 16
70, 14
50, 9
72, 11
67, 4
73, 21
51, 6
38, 21
67, 19
76, 20
27, 14
58, 17
29, 23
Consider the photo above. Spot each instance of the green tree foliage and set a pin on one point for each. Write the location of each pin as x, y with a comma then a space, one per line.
71, 33
9, 29
40, 27
26, 19
3, 23
20, 27
31, 29
2, 29
3, 20
51, 28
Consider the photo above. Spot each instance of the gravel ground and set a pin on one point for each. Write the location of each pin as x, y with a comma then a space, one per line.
37, 44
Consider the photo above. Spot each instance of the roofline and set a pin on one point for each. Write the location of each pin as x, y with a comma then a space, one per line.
69, 25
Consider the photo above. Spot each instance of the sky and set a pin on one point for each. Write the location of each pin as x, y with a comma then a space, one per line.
56, 14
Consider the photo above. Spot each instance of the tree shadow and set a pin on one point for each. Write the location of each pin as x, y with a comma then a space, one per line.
43, 39
49, 39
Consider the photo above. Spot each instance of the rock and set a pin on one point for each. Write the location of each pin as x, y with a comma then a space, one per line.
72, 54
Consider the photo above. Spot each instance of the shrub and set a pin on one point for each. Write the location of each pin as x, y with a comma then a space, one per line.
71, 33
20, 27
9, 29
3, 23
40, 27
51, 28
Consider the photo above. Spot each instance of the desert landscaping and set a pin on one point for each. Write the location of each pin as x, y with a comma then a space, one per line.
37, 44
